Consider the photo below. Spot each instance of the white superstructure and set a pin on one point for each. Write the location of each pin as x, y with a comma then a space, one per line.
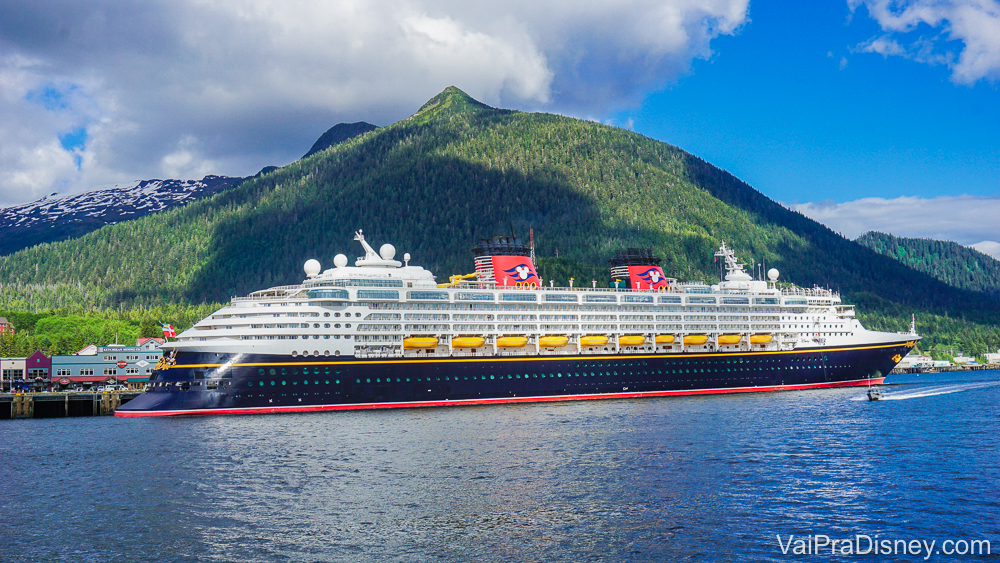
383, 308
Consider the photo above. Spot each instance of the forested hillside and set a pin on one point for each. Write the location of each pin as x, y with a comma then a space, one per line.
456, 171
950, 262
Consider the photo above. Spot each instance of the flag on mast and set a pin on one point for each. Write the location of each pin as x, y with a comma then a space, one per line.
168, 330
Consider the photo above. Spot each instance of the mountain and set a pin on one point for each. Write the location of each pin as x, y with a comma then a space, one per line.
338, 134
950, 262
456, 171
53, 218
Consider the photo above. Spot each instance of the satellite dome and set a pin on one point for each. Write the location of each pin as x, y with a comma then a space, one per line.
772, 274
340, 260
387, 252
312, 268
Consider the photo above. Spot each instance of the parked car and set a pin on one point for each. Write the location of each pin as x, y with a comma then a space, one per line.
110, 388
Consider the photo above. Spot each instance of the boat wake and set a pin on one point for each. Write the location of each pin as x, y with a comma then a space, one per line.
931, 391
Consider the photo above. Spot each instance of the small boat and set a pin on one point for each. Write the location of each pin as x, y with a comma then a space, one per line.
512, 342
729, 338
874, 394
695, 339
760, 338
468, 342
420, 342
593, 341
664, 338
631, 340
553, 341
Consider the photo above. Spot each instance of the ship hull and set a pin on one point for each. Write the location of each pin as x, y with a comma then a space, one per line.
200, 383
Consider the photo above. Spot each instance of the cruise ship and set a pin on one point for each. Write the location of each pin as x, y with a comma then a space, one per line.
385, 334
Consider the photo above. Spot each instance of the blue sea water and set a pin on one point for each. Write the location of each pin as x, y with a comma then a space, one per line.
712, 478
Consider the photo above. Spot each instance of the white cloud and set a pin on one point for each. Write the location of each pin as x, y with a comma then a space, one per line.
246, 83
973, 23
988, 247
964, 219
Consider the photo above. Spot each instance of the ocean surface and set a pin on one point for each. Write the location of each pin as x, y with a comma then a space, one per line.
712, 478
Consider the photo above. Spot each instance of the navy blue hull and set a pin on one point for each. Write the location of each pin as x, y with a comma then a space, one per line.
218, 384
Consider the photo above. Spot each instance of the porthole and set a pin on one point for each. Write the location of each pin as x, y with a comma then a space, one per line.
326, 325
260, 371
326, 314
273, 371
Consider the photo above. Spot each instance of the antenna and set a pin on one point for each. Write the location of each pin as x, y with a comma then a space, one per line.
512, 230
531, 235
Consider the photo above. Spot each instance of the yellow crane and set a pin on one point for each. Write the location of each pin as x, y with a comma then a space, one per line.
454, 280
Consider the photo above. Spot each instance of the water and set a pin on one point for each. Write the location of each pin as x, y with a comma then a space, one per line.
712, 478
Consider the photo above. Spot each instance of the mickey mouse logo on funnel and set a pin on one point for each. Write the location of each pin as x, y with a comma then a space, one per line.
647, 277
514, 271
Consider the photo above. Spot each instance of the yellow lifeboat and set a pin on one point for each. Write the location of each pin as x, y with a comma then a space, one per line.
593, 340
553, 341
760, 338
729, 338
695, 339
512, 341
468, 342
664, 339
420, 342
631, 340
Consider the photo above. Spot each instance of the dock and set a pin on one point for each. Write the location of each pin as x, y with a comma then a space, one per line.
62, 404
944, 369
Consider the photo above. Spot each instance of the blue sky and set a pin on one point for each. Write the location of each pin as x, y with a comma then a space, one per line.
789, 105
863, 114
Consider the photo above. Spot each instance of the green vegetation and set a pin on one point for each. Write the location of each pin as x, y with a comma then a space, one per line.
457, 171
950, 262
69, 330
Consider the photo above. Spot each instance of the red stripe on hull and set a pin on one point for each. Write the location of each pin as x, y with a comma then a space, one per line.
500, 400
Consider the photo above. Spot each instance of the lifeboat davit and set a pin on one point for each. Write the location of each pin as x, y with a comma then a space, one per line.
760, 339
420, 342
695, 339
631, 340
512, 342
468, 342
664, 339
553, 341
730, 338
593, 340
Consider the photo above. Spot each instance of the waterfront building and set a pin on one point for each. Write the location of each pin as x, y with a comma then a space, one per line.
915, 361
26, 374
11, 370
100, 365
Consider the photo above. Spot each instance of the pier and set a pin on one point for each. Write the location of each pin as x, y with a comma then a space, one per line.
61, 405
944, 369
